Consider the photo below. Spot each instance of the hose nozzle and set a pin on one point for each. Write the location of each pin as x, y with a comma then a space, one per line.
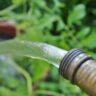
80, 69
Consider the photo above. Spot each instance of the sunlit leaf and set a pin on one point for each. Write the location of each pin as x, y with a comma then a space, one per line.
76, 14
18, 2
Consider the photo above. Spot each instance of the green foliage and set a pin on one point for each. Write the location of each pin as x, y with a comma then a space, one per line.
77, 14
17, 2
63, 23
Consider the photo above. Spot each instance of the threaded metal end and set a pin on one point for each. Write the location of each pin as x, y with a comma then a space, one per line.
67, 60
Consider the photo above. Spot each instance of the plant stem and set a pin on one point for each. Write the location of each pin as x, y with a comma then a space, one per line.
12, 7
44, 92
25, 74
6, 10
28, 78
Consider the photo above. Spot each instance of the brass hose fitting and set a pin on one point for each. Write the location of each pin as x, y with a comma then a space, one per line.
80, 69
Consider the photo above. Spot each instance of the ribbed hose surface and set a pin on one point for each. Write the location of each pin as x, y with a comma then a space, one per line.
80, 69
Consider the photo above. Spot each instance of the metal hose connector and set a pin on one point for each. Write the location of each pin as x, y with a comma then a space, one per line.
80, 69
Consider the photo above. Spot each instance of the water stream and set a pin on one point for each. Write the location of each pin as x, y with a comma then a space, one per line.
34, 50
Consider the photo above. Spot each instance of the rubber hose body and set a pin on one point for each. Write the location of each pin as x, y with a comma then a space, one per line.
80, 69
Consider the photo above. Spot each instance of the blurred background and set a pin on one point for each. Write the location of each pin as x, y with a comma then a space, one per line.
66, 24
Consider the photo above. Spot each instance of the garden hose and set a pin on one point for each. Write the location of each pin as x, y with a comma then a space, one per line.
80, 69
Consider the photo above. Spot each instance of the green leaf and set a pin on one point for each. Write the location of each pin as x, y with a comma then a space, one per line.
48, 86
61, 25
18, 2
40, 69
90, 41
76, 14
83, 32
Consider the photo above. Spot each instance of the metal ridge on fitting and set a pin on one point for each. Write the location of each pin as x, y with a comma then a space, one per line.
71, 63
